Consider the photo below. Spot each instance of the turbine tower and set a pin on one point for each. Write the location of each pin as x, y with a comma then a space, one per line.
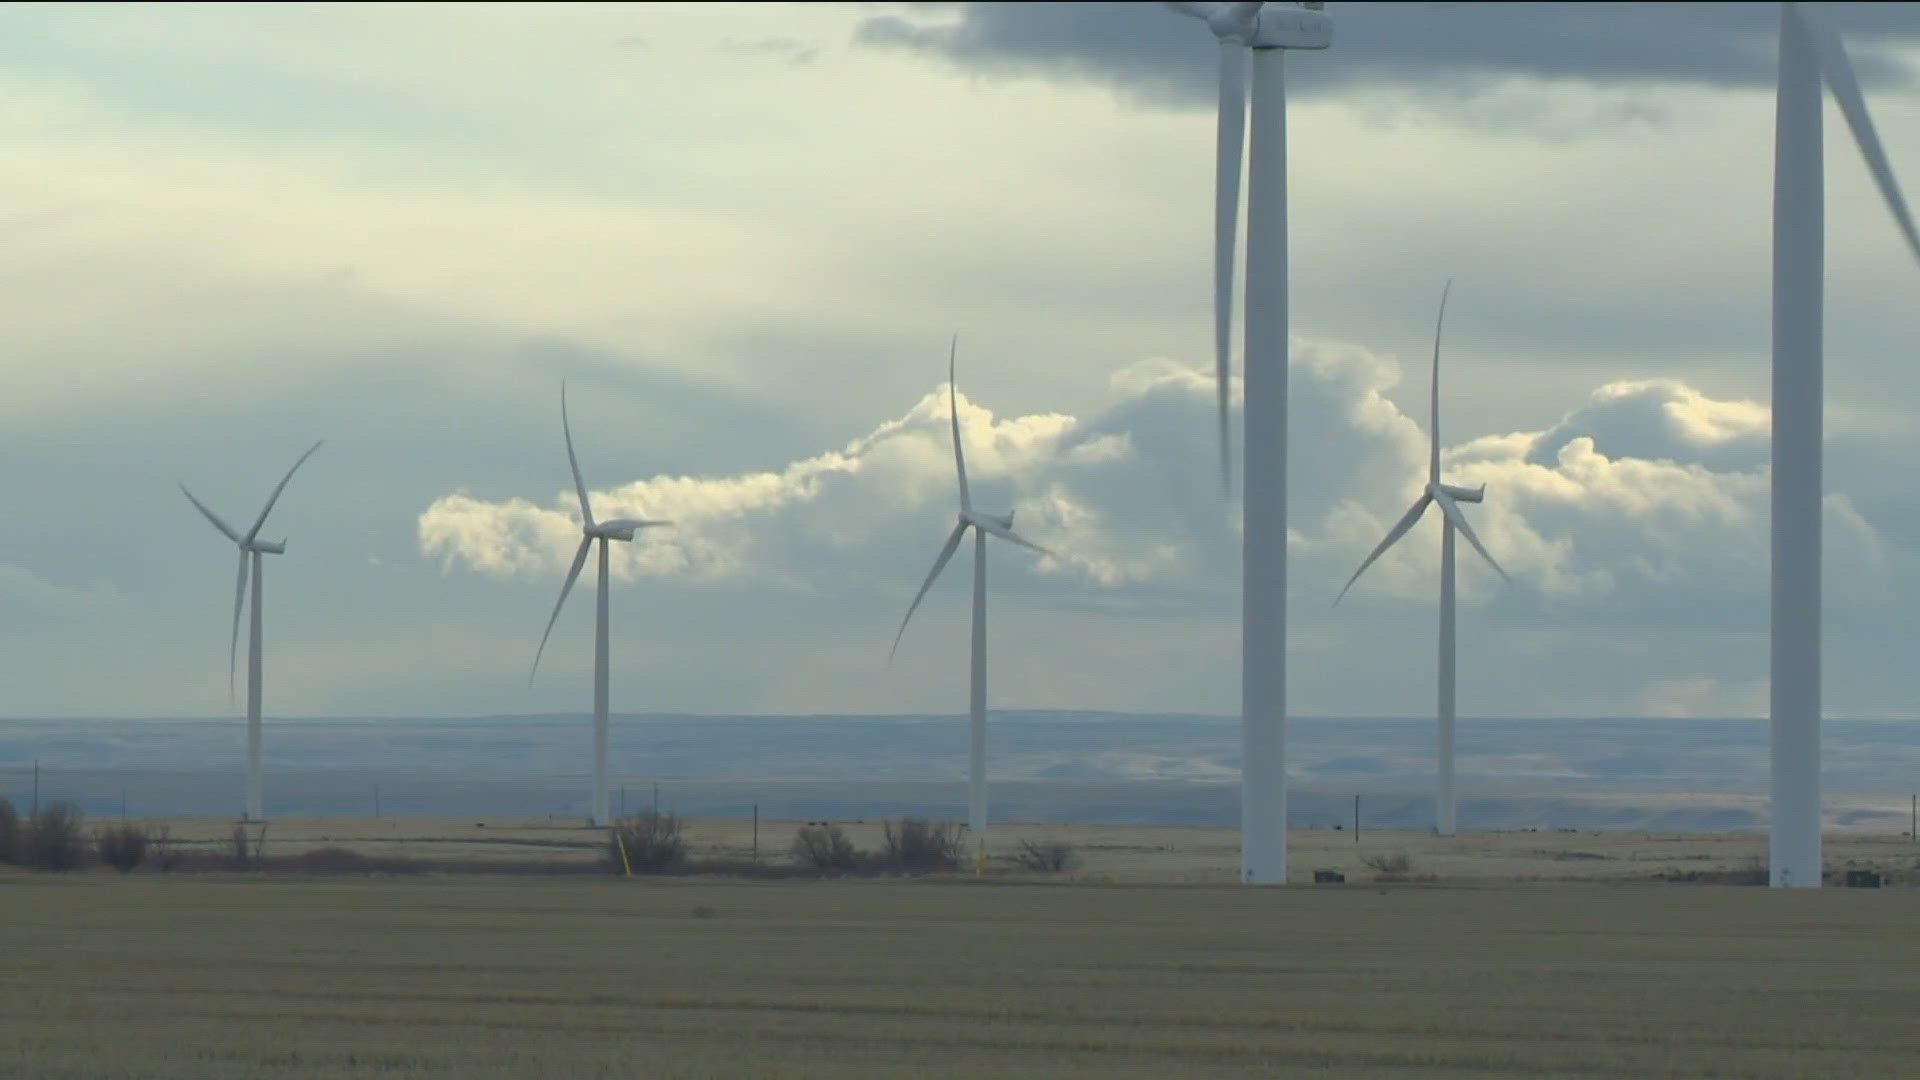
251, 548
1447, 497
603, 531
1809, 51
982, 526
1268, 30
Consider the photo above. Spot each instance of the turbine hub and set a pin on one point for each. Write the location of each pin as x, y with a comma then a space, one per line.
1234, 22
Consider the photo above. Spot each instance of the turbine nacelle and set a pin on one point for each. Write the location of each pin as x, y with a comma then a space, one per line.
1265, 26
266, 547
619, 528
1460, 494
1284, 26
988, 522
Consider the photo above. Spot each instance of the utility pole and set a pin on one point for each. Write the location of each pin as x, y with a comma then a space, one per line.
756, 832
656, 798
36, 786
1914, 829
1356, 819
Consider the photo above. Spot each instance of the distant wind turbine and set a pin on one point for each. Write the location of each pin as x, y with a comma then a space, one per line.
616, 529
1809, 50
1268, 30
251, 548
982, 525
1447, 497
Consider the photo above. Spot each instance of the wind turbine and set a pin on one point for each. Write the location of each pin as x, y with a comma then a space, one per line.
1268, 30
1448, 498
251, 548
603, 531
1809, 51
982, 526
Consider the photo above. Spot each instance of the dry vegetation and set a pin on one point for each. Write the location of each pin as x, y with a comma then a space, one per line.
1095, 854
250, 976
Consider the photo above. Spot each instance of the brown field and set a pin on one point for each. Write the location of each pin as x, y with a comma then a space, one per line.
1092, 974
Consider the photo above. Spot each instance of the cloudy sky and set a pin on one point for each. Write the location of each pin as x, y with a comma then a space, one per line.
744, 233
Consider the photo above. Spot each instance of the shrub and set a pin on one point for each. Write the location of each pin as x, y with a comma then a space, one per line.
1046, 856
919, 844
9, 833
241, 852
1752, 872
122, 846
825, 847
1388, 867
53, 839
652, 842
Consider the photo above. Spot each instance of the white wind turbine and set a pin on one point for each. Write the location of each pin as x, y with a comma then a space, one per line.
982, 525
1447, 497
1809, 50
251, 548
603, 531
1268, 30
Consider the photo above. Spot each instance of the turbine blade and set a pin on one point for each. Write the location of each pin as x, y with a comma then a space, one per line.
1399, 530
1853, 105
211, 516
579, 485
233, 643
1433, 428
579, 560
939, 564
275, 497
1230, 143
1452, 510
953, 406
1009, 534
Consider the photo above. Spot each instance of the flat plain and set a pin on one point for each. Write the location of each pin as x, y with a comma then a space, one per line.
1107, 972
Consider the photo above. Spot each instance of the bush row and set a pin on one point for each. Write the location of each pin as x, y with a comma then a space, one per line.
914, 844
910, 845
55, 838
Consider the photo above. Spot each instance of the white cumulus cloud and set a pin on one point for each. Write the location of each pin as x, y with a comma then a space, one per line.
1647, 496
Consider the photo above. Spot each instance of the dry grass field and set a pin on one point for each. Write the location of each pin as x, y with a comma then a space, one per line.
1092, 975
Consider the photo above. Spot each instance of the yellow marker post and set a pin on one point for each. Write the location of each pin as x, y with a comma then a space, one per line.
622, 845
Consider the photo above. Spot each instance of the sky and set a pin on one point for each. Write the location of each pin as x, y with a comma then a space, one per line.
744, 234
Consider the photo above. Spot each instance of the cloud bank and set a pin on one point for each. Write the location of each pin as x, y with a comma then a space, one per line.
1440, 52
1646, 503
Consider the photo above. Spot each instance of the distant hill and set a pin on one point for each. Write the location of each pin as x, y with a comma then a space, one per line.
1515, 773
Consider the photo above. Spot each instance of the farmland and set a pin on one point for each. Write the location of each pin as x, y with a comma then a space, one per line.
1101, 973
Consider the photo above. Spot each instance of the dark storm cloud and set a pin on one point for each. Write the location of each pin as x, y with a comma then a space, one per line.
1159, 58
